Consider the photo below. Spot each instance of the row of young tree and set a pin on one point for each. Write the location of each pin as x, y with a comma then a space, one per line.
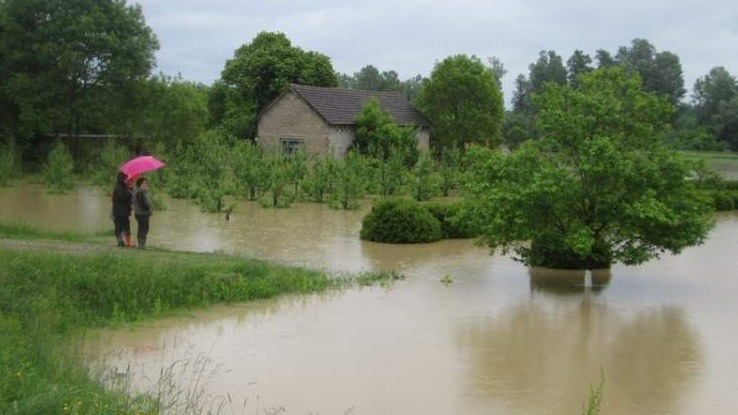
384, 160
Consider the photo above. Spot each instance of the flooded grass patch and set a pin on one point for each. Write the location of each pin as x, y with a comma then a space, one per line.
50, 296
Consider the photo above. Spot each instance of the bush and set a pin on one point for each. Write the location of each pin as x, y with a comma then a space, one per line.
453, 226
58, 172
9, 164
400, 221
723, 200
730, 184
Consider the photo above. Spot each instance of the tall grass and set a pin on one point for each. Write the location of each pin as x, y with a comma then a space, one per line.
594, 399
49, 297
20, 230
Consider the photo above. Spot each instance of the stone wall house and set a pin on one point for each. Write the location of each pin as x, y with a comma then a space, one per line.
322, 120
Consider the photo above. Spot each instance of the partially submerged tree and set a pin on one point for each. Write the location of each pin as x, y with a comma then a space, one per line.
599, 187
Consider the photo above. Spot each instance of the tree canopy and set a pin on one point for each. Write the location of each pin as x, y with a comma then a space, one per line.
599, 187
261, 70
463, 101
378, 136
63, 61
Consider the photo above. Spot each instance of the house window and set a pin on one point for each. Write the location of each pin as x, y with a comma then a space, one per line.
291, 146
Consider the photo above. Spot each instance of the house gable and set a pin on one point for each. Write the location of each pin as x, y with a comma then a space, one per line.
290, 118
323, 119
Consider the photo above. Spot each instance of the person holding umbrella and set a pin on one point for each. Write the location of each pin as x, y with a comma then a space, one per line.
127, 174
142, 209
121, 212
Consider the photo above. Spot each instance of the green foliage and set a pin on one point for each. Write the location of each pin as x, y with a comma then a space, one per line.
58, 171
448, 170
282, 171
201, 171
660, 72
400, 221
379, 137
723, 200
463, 101
259, 72
350, 186
72, 65
321, 181
453, 220
103, 171
250, 170
388, 176
170, 112
370, 79
599, 187
9, 164
594, 399
423, 182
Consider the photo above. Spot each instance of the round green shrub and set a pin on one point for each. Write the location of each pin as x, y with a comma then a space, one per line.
400, 221
723, 201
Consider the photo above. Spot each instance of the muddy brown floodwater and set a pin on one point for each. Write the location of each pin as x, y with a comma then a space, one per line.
499, 339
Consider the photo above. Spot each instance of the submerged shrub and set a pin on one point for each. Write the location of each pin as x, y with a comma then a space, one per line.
58, 172
400, 221
9, 164
453, 225
723, 200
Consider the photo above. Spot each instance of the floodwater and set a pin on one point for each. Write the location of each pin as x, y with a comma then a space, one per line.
498, 339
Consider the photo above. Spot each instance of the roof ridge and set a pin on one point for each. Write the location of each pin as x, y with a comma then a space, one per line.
340, 106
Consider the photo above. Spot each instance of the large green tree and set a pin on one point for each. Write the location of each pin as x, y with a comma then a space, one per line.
463, 101
64, 61
716, 105
260, 71
661, 72
599, 187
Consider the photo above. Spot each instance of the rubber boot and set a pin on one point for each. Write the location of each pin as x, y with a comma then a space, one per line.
129, 242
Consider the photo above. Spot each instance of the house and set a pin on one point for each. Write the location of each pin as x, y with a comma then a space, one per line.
323, 120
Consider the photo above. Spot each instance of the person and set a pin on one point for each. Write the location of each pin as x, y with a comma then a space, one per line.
121, 212
143, 209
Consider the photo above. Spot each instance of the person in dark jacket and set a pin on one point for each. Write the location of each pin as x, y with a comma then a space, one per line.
143, 209
122, 199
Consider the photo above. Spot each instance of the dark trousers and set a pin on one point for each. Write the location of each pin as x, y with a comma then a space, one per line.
143, 227
122, 227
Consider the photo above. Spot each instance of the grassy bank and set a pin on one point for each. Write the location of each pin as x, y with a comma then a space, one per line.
47, 297
725, 163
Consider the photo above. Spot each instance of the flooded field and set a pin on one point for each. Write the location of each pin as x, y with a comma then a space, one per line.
497, 337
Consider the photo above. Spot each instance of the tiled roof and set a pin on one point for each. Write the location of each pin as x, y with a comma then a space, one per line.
341, 106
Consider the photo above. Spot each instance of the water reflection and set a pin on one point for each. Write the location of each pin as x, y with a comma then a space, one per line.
541, 357
568, 282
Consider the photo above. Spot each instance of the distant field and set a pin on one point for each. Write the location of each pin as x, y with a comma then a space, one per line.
725, 163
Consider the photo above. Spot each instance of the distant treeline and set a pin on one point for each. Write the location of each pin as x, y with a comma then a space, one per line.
74, 69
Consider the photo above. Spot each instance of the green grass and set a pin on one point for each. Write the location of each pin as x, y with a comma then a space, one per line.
20, 230
48, 298
721, 162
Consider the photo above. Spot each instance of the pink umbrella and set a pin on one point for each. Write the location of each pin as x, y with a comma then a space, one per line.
140, 165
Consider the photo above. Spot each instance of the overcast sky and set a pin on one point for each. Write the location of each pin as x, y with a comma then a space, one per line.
410, 36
